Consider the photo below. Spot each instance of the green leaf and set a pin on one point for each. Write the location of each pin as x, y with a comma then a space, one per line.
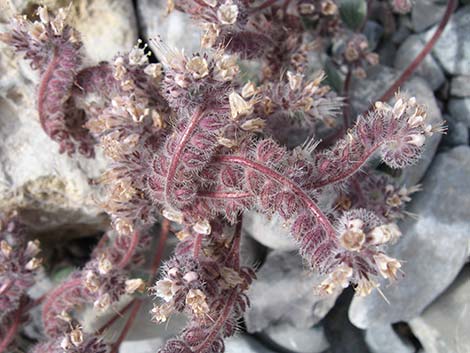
333, 78
353, 13
62, 273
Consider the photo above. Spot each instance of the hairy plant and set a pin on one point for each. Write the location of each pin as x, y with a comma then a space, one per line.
192, 142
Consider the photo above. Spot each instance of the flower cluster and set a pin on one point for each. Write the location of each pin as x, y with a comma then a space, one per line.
193, 142
53, 48
204, 279
19, 263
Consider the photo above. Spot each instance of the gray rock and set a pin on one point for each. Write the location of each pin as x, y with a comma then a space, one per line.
252, 253
379, 78
445, 324
373, 31
457, 133
459, 110
293, 339
142, 346
403, 30
383, 339
244, 344
106, 26
426, 13
429, 69
175, 29
460, 86
52, 190
453, 48
284, 293
269, 232
433, 248
342, 335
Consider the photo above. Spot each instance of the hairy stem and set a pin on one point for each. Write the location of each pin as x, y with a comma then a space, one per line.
346, 173
57, 293
223, 195
193, 124
281, 179
13, 328
136, 303
347, 100
130, 250
215, 329
451, 5
42, 91
130, 321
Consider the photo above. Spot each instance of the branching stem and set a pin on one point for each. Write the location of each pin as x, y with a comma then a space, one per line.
281, 179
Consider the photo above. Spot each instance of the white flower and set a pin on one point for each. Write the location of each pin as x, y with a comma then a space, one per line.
249, 90
161, 312
197, 66
238, 106
254, 125
417, 139
365, 287
165, 289
172, 215
196, 300
384, 233
103, 302
388, 266
353, 237
295, 80
137, 56
227, 13
202, 227
135, 285
154, 70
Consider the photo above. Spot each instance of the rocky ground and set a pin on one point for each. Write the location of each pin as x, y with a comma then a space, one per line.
428, 310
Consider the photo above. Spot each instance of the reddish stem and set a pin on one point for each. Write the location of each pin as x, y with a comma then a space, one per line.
197, 245
13, 328
176, 158
130, 251
136, 304
225, 195
55, 294
451, 5
42, 91
203, 346
281, 179
130, 321
115, 318
350, 171
161, 247
347, 100
265, 5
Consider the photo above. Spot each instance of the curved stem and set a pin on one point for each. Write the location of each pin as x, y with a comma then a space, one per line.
42, 91
265, 5
223, 195
130, 250
136, 303
13, 328
281, 179
201, 348
116, 317
58, 292
176, 158
130, 321
350, 171
347, 100
197, 245
451, 5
